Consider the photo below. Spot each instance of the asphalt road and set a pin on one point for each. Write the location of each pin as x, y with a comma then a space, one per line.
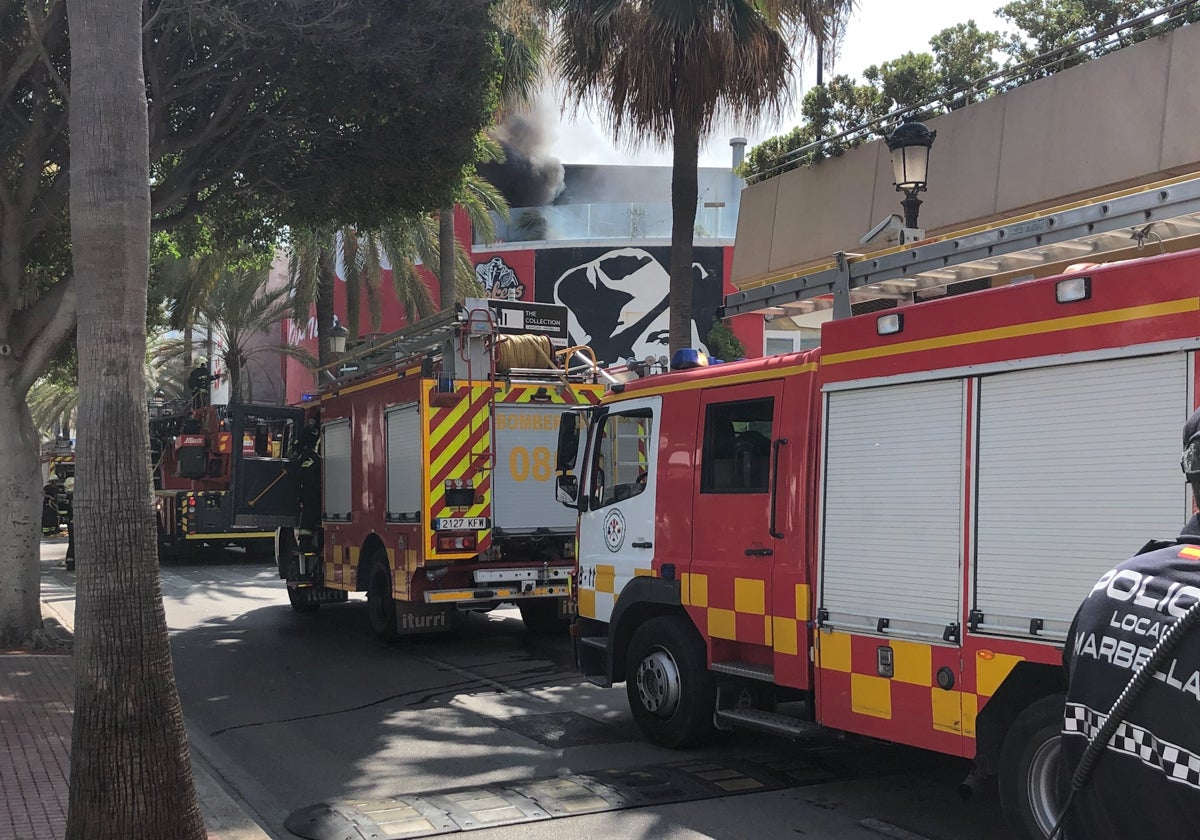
296, 710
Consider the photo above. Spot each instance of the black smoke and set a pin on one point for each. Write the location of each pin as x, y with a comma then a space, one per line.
529, 176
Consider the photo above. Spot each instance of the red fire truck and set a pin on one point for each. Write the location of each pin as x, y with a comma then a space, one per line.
888, 535
437, 473
221, 475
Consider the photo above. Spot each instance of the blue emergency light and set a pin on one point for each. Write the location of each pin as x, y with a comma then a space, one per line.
687, 357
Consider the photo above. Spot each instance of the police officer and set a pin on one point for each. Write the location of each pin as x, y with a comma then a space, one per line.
1146, 782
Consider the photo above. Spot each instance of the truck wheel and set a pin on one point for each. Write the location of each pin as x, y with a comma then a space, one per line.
541, 617
381, 609
1031, 790
671, 692
298, 603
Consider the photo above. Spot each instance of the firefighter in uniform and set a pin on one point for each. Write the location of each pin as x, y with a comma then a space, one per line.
309, 459
1146, 783
200, 384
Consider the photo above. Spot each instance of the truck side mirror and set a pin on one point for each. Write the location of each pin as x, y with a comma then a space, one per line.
568, 441
566, 490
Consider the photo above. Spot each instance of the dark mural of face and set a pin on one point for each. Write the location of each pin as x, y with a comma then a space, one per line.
618, 299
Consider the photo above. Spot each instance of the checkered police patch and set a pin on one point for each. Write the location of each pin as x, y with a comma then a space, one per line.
1176, 763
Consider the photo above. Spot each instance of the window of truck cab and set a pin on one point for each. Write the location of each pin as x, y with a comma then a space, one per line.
736, 453
621, 457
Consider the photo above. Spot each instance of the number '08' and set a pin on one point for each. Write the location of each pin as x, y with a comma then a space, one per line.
525, 463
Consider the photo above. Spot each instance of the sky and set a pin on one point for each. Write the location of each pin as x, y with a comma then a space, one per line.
878, 31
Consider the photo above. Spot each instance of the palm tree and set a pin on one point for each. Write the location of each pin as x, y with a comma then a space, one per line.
188, 282
406, 242
668, 70
241, 308
127, 726
312, 261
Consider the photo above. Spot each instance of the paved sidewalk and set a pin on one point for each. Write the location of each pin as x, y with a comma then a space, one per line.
36, 696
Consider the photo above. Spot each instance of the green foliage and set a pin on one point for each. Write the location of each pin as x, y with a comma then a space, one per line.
960, 56
723, 343
963, 54
261, 115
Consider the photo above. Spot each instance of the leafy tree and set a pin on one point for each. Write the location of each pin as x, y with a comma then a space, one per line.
905, 81
130, 772
1053, 26
667, 70
841, 107
723, 343
259, 115
961, 54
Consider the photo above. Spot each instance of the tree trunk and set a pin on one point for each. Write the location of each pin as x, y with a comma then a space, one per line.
684, 194
20, 521
446, 250
130, 771
326, 270
234, 370
187, 347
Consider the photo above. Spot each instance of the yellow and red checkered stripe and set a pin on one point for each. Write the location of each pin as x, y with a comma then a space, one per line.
743, 614
458, 445
341, 567
597, 601
910, 707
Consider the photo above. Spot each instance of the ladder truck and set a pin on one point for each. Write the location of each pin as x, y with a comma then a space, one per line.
889, 535
432, 490
222, 475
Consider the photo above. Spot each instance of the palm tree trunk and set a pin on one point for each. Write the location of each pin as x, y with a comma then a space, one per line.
187, 346
684, 194
130, 771
449, 290
326, 270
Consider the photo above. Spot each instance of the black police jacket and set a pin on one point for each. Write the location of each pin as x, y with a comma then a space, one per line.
1146, 784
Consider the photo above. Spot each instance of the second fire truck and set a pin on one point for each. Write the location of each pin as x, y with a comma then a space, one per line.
221, 475
436, 473
888, 535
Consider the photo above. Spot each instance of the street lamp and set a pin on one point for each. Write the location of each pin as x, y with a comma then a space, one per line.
337, 338
909, 145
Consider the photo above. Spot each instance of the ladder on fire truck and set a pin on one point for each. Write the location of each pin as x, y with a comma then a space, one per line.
426, 339
1164, 215
458, 339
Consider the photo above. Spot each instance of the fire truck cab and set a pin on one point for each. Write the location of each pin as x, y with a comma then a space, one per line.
435, 472
888, 535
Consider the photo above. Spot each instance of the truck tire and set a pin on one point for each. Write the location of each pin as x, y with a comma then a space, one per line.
541, 617
381, 609
1031, 790
672, 694
296, 599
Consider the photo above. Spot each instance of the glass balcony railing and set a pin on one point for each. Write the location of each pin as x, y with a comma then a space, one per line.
557, 223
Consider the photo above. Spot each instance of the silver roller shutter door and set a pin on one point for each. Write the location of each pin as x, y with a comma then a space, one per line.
403, 462
1078, 467
335, 468
892, 518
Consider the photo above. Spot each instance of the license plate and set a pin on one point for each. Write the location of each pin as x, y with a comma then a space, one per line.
459, 523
